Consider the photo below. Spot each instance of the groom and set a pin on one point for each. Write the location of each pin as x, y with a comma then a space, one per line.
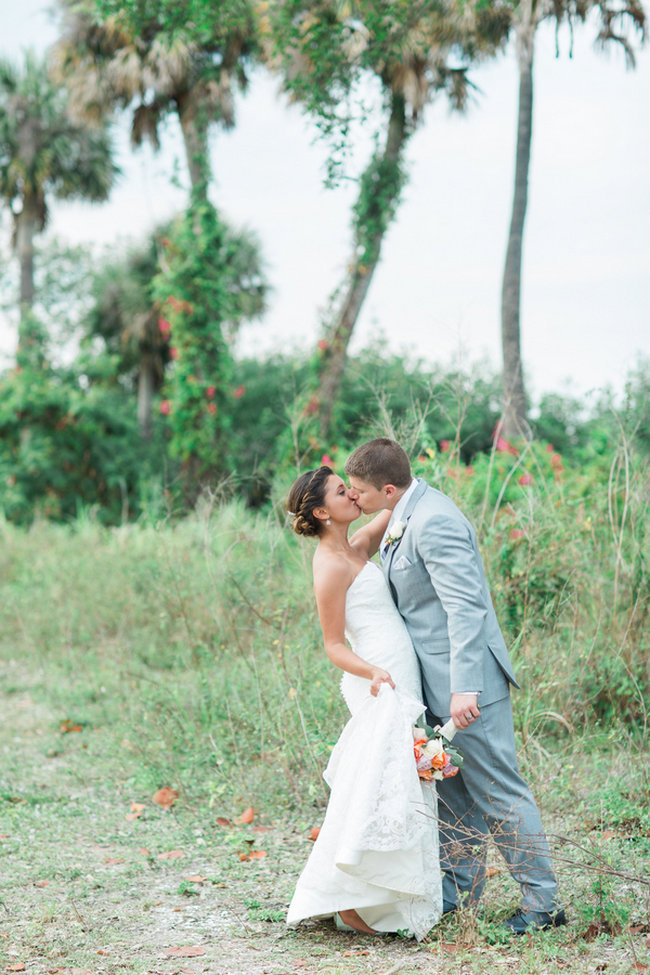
434, 569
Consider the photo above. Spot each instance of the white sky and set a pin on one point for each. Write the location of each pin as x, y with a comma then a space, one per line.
436, 294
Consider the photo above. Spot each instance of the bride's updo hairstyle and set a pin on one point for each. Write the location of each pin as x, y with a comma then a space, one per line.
307, 494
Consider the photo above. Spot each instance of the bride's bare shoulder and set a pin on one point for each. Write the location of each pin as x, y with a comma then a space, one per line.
331, 571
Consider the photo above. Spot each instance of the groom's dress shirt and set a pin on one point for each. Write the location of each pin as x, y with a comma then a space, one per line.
396, 515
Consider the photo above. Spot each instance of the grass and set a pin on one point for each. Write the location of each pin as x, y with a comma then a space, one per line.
189, 656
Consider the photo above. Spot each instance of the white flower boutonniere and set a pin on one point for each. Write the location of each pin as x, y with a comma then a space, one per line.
395, 533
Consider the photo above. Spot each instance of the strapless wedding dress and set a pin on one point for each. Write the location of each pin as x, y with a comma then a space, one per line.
377, 851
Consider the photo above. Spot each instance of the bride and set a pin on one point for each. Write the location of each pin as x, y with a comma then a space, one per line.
375, 865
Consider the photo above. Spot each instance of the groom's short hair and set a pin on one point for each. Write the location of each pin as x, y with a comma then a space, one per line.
379, 462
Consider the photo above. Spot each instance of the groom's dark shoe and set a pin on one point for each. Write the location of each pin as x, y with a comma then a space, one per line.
523, 921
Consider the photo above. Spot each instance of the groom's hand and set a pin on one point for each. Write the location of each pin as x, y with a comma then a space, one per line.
464, 709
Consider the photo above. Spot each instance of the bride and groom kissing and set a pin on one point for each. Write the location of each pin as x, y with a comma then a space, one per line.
418, 633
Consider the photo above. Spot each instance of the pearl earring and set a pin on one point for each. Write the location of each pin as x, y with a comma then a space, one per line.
328, 522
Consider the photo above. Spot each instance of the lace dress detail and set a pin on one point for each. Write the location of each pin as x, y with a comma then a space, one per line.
377, 851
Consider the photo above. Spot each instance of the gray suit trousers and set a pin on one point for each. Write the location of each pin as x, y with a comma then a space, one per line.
490, 796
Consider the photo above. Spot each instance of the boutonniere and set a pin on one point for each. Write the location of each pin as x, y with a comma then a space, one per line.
395, 533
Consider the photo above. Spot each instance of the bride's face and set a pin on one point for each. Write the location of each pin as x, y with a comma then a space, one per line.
340, 506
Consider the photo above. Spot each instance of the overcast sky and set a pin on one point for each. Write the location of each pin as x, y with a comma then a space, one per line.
436, 294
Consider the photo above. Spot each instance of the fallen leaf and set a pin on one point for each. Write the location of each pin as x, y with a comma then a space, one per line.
42, 883
639, 966
253, 855
137, 808
68, 726
113, 860
608, 834
197, 879
144, 851
247, 816
313, 833
171, 855
492, 872
186, 951
222, 821
100, 952
260, 829
18, 967
165, 797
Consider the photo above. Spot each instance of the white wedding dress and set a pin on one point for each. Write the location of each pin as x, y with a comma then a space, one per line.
377, 851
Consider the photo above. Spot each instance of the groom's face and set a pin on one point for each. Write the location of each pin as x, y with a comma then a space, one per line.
368, 497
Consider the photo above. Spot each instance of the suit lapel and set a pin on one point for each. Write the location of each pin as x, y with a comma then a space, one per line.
410, 507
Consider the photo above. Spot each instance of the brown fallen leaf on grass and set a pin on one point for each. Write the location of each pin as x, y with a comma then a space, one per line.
171, 855
144, 851
197, 879
253, 855
247, 816
18, 967
165, 797
112, 860
222, 821
492, 872
313, 833
42, 883
68, 726
185, 951
137, 808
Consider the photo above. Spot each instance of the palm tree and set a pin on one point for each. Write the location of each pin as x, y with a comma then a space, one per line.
416, 51
44, 153
527, 16
131, 322
114, 63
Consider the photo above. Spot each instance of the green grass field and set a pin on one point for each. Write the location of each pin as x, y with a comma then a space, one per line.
188, 656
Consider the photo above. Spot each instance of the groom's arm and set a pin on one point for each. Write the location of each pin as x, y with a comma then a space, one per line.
366, 540
446, 549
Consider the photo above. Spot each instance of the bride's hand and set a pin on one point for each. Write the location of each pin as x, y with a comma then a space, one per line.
378, 678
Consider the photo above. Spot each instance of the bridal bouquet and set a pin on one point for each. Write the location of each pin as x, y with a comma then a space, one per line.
435, 756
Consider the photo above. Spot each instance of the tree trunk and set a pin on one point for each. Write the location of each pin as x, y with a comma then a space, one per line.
146, 386
194, 128
28, 223
367, 252
515, 423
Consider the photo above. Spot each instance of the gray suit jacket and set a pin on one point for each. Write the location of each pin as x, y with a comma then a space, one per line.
437, 579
